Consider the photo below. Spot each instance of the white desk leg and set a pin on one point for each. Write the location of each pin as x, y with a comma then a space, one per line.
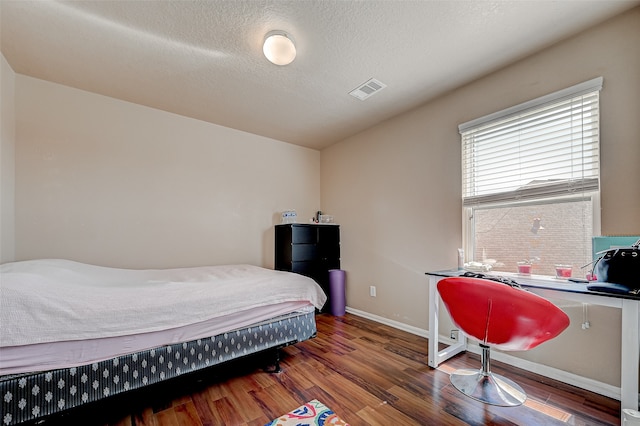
433, 321
435, 356
630, 354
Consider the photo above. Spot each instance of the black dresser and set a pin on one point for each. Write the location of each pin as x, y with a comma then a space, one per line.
308, 249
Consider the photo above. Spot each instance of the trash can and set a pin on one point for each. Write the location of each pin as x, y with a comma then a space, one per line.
337, 293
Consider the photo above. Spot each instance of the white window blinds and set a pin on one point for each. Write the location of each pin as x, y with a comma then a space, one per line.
543, 148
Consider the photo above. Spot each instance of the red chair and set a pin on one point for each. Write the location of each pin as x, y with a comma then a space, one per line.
499, 316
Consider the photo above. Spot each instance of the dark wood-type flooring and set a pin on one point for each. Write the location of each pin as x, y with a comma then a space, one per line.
368, 373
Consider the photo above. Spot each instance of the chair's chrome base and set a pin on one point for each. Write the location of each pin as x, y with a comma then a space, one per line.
488, 388
484, 386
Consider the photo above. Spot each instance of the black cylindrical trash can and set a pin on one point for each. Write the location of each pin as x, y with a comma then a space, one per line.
337, 292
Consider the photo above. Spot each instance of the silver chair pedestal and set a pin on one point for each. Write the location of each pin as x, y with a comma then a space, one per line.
484, 386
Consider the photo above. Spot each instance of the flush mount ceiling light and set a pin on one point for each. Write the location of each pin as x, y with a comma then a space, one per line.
279, 48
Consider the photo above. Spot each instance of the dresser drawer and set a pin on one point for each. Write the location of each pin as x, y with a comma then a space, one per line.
304, 235
301, 252
308, 268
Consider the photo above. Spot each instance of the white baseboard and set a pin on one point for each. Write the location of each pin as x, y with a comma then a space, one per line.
391, 323
543, 370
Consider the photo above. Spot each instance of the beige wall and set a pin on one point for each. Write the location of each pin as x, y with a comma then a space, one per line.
104, 181
395, 188
7, 161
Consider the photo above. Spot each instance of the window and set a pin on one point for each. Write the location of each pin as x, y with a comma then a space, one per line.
530, 183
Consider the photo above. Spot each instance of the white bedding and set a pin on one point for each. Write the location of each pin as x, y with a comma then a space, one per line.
59, 300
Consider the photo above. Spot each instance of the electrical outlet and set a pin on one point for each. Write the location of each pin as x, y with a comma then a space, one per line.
372, 291
454, 334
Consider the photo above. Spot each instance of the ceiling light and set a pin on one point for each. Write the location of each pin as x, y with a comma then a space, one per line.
279, 48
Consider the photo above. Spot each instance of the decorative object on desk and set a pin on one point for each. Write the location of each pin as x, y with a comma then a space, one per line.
477, 267
313, 413
460, 258
524, 267
618, 271
502, 317
563, 271
503, 280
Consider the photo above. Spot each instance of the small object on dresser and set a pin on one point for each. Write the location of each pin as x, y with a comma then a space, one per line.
289, 216
326, 218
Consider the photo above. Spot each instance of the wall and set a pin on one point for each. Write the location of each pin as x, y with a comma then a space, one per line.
7, 161
104, 181
396, 188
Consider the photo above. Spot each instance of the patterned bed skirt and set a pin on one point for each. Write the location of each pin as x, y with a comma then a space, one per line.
30, 396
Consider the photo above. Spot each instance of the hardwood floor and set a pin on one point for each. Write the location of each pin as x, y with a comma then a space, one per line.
368, 373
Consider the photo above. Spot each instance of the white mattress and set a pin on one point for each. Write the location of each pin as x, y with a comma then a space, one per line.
58, 313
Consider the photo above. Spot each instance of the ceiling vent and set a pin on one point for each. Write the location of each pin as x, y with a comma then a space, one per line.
367, 89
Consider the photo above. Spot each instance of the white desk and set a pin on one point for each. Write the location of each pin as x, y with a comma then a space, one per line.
554, 289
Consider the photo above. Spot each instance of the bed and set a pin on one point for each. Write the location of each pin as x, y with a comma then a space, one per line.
74, 333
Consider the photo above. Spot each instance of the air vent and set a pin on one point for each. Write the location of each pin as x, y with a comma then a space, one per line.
367, 89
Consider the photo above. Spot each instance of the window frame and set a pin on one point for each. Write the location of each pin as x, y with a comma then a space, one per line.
468, 223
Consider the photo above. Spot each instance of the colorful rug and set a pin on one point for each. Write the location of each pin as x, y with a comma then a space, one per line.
313, 413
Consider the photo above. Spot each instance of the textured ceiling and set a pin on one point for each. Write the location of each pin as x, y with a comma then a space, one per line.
203, 59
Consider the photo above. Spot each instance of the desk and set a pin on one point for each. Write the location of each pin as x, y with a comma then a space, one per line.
555, 289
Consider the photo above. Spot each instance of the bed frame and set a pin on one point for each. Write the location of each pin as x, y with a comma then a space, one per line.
31, 396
